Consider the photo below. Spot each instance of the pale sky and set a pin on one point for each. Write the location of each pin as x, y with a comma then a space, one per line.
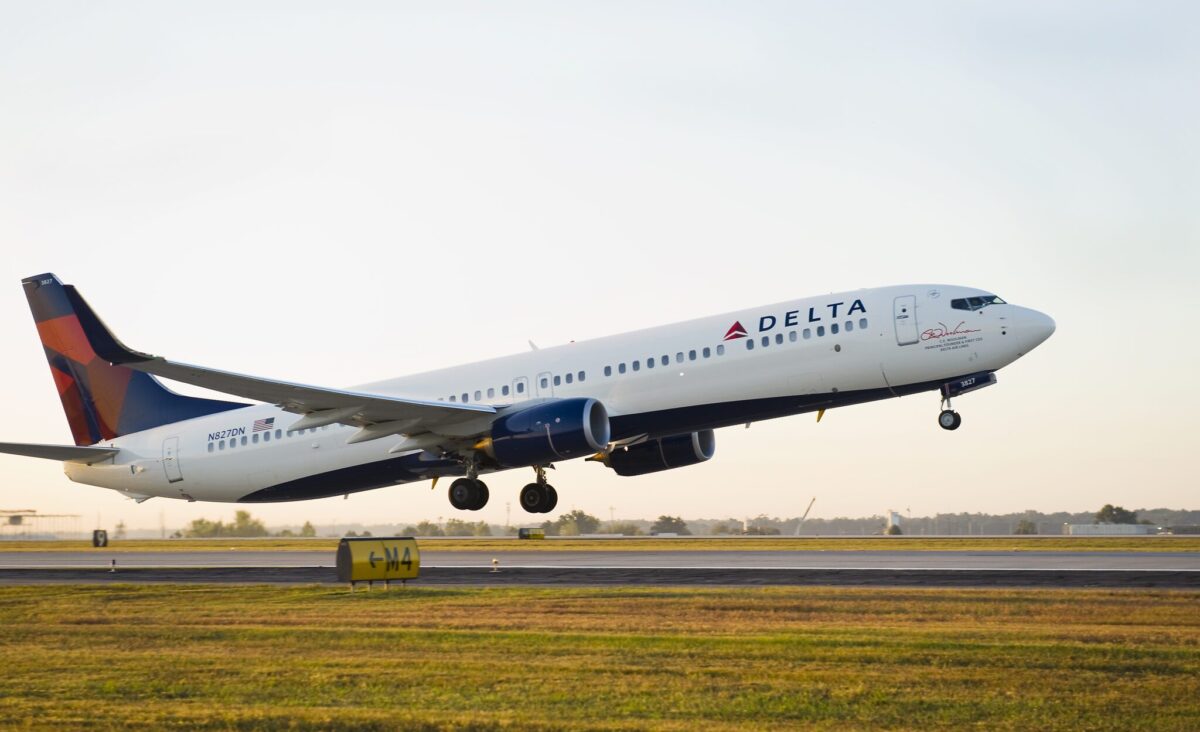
336, 193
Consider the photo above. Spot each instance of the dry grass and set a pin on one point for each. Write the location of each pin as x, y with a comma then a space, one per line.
767, 543
431, 658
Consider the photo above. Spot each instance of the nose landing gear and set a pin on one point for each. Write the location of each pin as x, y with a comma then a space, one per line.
539, 497
949, 419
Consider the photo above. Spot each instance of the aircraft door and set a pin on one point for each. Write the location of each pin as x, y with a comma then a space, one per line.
544, 385
170, 459
905, 314
520, 389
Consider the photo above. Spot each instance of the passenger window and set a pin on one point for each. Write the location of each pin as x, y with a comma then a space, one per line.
650, 362
557, 380
691, 355
807, 333
491, 392
478, 395
244, 440
766, 340
466, 398
621, 367
520, 387
545, 382
582, 375
570, 378
637, 366
720, 350
267, 436
862, 323
254, 438
833, 329
749, 344
211, 447
665, 360
679, 357
778, 338
792, 336
504, 390
706, 352
608, 370
849, 325
221, 445
820, 331
453, 398
278, 434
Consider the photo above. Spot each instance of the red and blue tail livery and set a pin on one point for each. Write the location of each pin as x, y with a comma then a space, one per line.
102, 401
636, 403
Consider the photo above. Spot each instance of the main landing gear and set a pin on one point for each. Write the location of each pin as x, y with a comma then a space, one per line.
539, 497
469, 493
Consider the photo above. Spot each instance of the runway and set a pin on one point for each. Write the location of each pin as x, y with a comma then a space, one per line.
548, 567
856, 560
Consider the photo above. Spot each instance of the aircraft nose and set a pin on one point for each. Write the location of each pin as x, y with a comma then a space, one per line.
1043, 326
1037, 328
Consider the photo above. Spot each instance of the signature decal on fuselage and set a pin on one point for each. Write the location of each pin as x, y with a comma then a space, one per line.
944, 332
946, 338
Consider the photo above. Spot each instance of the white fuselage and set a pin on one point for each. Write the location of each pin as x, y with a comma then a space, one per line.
887, 338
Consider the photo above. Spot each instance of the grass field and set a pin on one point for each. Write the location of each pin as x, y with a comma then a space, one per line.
766, 543
426, 658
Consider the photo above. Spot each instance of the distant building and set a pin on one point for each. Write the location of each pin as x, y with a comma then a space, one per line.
1183, 529
1109, 529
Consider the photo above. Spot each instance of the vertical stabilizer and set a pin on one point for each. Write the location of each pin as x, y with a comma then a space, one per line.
102, 401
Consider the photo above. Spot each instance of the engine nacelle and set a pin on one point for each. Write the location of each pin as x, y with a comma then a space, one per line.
665, 453
543, 433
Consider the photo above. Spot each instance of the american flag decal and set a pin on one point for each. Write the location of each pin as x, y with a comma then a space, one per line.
262, 425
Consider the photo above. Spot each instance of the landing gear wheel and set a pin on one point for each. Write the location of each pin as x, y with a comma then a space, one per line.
481, 497
551, 499
949, 419
468, 495
534, 498
462, 493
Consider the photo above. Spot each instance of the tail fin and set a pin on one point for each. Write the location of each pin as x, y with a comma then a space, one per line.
102, 401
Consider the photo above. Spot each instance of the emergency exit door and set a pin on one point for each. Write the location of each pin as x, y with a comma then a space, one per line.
905, 315
170, 459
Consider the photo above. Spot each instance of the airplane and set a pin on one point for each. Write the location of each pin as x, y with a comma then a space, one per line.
636, 403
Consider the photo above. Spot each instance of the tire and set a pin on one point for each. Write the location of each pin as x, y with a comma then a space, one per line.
463, 494
949, 420
551, 500
533, 498
481, 495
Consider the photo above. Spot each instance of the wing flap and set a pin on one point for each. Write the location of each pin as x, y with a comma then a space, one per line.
318, 404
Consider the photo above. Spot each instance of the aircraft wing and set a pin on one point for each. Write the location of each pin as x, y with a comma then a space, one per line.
378, 415
67, 453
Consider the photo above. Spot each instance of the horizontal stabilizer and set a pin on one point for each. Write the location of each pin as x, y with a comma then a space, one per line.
66, 453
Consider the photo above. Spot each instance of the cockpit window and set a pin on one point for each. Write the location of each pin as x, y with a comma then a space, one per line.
975, 303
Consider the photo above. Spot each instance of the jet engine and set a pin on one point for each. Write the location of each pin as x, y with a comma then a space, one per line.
549, 431
664, 453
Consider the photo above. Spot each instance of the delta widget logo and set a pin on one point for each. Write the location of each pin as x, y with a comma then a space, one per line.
791, 318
